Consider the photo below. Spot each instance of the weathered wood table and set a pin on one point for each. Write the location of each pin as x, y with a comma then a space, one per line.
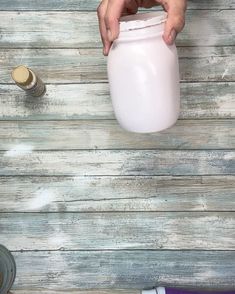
86, 205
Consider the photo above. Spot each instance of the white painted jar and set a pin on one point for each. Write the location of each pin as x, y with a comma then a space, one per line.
143, 75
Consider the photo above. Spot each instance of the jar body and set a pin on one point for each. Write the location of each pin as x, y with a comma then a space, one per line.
143, 76
36, 88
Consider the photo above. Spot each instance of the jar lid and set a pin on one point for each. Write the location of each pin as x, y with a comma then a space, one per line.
7, 270
22, 75
142, 20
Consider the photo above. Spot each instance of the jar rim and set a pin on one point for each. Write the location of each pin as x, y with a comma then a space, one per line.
142, 20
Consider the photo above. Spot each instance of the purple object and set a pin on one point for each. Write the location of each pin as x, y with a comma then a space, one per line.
162, 290
180, 291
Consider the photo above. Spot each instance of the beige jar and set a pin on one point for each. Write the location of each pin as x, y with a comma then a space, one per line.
27, 80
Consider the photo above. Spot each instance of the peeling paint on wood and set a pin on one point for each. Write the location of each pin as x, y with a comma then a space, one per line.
19, 150
92, 4
110, 193
115, 231
107, 134
177, 199
81, 30
44, 291
118, 162
124, 269
92, 101
89, 65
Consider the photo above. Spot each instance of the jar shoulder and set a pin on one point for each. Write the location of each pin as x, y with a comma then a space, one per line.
151, 51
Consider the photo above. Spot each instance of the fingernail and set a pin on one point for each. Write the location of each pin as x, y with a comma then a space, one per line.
110, 36
172, 36
105, 53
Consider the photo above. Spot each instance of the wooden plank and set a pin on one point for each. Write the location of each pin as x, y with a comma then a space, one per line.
115, 231
95, 291
124, 269
130, 193
107, 134
72, 101
89, 65
81, 30
92, 4
23, 160
203, 28
215, 62
116, 194
207, 100
92, 101
56, 65
211, 4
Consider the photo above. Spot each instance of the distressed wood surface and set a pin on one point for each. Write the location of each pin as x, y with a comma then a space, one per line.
92, 101
97, 291
167, 203
124, 269
92, 4
107, 134
115, 231
23, 160
126, 193
80, 29
89, 65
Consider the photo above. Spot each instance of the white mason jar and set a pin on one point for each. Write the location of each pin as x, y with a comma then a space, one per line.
143, 75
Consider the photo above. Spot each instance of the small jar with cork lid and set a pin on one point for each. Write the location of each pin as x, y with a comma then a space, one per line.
27, 80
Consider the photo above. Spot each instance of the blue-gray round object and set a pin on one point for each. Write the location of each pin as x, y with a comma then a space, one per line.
7, 270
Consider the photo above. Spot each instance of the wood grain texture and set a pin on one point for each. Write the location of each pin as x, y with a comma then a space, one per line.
89, 65
22, 160
92, 101
175, 206
107, 134
111, 193
115, 231
124, 269
81, 30
94, 291
92, 4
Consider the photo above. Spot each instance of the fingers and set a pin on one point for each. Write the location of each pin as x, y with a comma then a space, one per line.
175, 21
109, 13
113, 14
101, 11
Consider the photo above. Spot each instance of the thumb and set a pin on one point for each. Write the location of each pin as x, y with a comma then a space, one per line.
174, 24
170, 33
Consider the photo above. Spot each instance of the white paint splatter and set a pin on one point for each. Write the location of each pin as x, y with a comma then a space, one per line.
225, 73
229, 156
59, 240
19, 150
205, 275
42, 198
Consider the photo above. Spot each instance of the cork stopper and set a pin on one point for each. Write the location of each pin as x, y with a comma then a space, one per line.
22, 75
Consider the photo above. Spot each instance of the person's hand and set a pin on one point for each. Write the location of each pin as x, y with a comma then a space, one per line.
110, 11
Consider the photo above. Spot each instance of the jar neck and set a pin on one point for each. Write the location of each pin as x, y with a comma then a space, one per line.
143, 33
